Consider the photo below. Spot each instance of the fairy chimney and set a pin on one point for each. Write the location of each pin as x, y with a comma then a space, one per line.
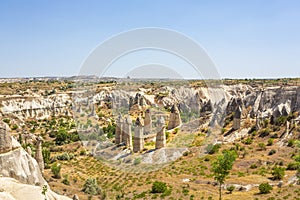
118, 135
38, 153
5, 138
138, 135
127, 130
237, 118
161, 136
175, 119
147, 122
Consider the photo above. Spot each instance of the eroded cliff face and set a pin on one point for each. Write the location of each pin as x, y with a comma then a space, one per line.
35, 106
254, 102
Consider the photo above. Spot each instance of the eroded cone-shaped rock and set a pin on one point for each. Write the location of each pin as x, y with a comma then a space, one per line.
175, 119
237, 118
5, 138
118, 134
147, 122
39, 154
161, 136
127, 131
138, 135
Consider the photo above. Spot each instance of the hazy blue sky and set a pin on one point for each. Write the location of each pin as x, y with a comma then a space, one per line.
255, 38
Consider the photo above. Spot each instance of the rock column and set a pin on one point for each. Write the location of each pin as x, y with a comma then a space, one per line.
127, 130
161, 135
118, 134
138, 135
175, 119
237, 119
147, 122
5, 138
39, 154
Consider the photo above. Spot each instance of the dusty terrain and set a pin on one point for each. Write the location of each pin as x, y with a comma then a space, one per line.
77, 123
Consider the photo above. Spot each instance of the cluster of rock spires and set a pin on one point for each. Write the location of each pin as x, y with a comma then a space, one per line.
143, 128
20, 174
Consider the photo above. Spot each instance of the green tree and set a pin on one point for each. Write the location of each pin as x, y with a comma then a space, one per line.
265, 188
278, 173
158, 187
221, 168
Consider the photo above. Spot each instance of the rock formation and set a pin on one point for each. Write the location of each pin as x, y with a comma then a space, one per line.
5, 138
147, 122
237, 119
118, 134
175, 119
39, 154
138, 135
75, 197
127, 131
161, 135
29, 151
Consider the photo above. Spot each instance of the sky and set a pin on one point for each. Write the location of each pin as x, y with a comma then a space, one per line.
245, 39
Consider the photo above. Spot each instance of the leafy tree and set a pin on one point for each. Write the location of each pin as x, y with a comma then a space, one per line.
265, 188
221, 168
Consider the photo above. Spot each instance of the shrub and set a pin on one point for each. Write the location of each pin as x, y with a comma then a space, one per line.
293, 166
55, 169
46, 157
262, 146
248, 141
6, 120
265, 188
270, 142
65, 156
14, 127
271, 152
230, 188
159, 187
278, 173
91, 187
291, 143
211, 149
66, 180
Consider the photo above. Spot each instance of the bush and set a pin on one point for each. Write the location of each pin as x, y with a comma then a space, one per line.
262, 146
159, 187
55, 169
265, 188
91, 187
248, 141
270, 142
46, 157
291, 143
230, 188
65, 156
66, 180
14, 127
211, 149
273, 151
278, 173
293, 166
